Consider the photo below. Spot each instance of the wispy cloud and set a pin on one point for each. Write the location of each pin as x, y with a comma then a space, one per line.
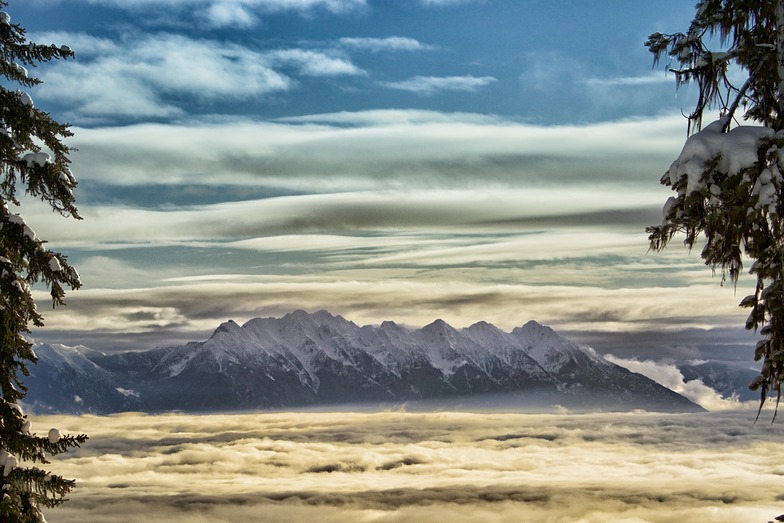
570, 281
391, 43
84, 45
314, 63
437, 211
653, 78
430, 85
219, 14
482, 218
390, 117
144, 75
335, 6
450, 215
551, 76
447, 2
137, 76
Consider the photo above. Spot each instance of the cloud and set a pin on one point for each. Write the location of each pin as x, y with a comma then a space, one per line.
83, 44
137, 77
193, 299
380, 150
493, 212
314, 63
269, 6
230, 15
391, 43
670, 376
653, 78
402, 215
237, 15
430, 85
420, 466
147, 76
390, 117
541, 71
548, 76
439, 3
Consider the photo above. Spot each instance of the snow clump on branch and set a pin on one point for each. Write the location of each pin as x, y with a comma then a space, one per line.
737, 150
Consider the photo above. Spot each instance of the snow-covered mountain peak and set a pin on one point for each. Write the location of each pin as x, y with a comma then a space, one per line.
439, 327
552, 351
388, 329
304, 359
324, 317
227, 336
534, 328
482, 325
444, 346
226, 326
297, 317
482, 328
389, 325
72, 354
397, 340
80, 349
310, 324
498, 342
336, 323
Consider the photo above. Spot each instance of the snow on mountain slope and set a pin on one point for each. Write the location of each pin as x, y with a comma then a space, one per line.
553, 352
307, 359
505, 347
65, 380
444, 346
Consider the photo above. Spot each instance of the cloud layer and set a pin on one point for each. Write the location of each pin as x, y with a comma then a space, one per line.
398, 466
249, 157
401, 215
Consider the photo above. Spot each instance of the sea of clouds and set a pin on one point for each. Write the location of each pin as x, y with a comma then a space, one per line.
423, 466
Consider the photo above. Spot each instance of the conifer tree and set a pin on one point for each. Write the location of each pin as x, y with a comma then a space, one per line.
33, 162
729, 177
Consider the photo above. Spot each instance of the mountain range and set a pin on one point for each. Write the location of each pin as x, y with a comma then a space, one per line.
303, 359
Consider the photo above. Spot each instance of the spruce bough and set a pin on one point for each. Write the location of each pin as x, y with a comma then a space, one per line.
34, 162
729, 177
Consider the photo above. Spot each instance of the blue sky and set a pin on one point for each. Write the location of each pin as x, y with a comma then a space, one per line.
531, 61
407, 160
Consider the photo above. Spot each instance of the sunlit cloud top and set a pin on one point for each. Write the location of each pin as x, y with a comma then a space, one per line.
404, 466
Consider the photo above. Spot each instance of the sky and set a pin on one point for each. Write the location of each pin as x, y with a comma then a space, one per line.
404, 160
390, 467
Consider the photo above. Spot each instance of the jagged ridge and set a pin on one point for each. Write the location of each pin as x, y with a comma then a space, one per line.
308, 359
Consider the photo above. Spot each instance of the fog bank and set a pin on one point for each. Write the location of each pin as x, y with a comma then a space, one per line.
400, 466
